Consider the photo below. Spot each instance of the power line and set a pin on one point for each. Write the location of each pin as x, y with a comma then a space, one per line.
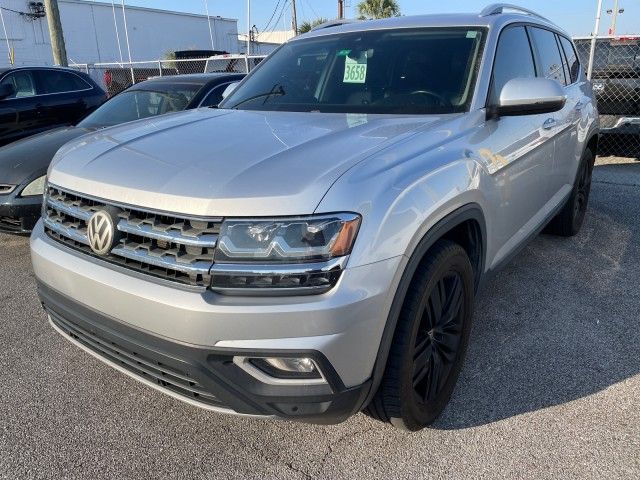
272, 15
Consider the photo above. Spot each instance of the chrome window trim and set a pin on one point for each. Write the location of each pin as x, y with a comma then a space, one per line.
91, 87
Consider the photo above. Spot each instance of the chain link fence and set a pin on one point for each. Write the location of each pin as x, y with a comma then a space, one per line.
615, 77
115, 77
616, 83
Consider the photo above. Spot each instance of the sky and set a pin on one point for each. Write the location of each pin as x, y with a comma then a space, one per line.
575, 16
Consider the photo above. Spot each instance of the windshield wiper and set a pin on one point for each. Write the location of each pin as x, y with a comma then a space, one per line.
276, 90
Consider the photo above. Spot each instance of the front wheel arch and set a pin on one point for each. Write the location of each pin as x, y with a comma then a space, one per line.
443, 229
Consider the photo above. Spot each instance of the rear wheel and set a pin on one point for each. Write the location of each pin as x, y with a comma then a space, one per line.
569, 221
430, 341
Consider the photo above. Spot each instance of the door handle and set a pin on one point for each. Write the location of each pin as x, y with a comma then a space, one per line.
549, 123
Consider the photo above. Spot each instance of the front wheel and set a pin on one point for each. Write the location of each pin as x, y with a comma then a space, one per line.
430, 341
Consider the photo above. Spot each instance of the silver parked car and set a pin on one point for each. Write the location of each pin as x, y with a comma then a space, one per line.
313, 247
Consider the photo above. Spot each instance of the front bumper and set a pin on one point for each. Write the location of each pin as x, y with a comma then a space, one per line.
19, 214
184, 341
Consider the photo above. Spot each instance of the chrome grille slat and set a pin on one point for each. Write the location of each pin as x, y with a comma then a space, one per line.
140, 255
172, 236
171, 247
66, 231
71, 210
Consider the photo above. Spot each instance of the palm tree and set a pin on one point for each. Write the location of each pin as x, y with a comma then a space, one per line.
378, 9
307, 26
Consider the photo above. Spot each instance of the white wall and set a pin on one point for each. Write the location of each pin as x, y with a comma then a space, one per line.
90, 35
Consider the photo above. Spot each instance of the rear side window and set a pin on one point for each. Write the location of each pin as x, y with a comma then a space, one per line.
548, 55
23, 83
513, 59
572, 59
59, 82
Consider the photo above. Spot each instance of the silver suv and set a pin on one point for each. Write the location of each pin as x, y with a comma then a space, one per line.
313, 247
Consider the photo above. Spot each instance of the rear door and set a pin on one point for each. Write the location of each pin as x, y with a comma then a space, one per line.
561, 125
64, 97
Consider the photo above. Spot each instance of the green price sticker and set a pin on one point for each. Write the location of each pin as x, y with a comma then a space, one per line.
355, 71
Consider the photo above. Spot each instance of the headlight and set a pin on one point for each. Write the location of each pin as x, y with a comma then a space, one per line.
301, 253
34, 188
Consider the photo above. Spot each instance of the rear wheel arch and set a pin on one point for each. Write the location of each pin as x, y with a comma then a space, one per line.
465, 226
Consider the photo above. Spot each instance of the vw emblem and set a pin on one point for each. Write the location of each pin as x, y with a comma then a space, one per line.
101, 232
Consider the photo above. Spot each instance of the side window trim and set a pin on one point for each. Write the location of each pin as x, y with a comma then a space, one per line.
42, 71
34, 82
565, 62
38, 83
575, 53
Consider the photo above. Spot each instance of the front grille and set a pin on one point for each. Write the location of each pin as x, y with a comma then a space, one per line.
140, 365
174, 248
13, 224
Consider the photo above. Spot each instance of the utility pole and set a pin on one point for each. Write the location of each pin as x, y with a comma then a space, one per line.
294, 17
594, 37
340, 9
614, 16
55, 32
248, 32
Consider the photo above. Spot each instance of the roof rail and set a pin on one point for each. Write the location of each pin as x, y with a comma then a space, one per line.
332, 23
499, 8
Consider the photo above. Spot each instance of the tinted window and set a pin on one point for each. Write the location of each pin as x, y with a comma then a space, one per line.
58, 82
548, 54
215, 96
513, 59
427, 70
572, 59
141, 103
23, 83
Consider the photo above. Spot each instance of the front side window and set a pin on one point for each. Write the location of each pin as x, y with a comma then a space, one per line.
548, 54
513, 60
136, 104
23, 83
60, 82
421, 71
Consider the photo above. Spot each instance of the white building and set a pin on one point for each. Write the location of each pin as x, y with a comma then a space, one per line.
92, 30
265, 42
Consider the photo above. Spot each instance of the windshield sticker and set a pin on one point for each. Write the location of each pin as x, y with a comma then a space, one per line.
355, 70
472, 34
343, 53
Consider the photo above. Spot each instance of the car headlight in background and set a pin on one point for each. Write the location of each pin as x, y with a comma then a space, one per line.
302, 253
34, 188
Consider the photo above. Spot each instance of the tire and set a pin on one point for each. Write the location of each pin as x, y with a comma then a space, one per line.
568, 221
430, 341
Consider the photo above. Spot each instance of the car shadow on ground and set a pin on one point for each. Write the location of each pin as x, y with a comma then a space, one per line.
560, 322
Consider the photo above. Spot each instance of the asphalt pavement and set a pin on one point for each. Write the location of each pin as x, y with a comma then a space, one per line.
550, 388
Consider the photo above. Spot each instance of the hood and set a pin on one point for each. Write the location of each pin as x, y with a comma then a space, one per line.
209, 162
27, 158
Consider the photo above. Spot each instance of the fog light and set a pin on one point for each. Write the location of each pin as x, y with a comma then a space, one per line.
303, 365
287, 367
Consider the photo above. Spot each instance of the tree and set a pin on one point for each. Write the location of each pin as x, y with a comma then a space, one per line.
378, 9
307, 26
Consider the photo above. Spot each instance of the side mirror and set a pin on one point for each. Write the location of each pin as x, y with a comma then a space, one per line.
229, 90
530, 96
6, 90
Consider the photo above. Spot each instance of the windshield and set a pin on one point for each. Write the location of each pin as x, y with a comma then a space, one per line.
427, 70
141, 103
